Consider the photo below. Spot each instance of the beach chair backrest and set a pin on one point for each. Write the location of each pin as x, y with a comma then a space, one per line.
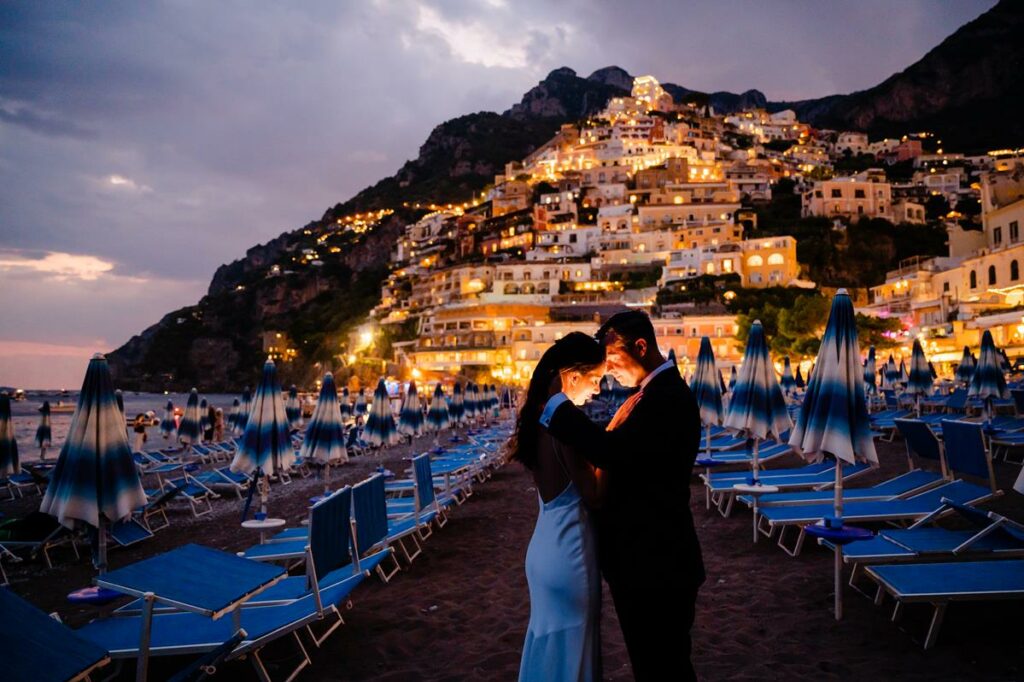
371, 513
329, 532
957, 400
890, 399
965, 449
424, 481
1018, 399
920, 441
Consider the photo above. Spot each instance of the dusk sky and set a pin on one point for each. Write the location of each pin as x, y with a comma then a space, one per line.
144, 144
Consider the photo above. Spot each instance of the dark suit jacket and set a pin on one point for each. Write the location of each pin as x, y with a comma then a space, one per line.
645, 529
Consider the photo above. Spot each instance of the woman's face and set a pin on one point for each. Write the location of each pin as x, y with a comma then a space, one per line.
580, 386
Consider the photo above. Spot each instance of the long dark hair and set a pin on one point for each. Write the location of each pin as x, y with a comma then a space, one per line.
576, 351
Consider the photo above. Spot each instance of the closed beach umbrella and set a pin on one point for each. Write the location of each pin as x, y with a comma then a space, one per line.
931, 370
468, 403
707, 388
870, 371
119, 398
919, 382
265, 444
325, 434
380, 424
757, 408
833, 419
345, 404
243, 413
732, 378
44, 433
788, 380
360, 408
1004, 361
410, 420
891, 375
988, 381
95, 481
293, 409
495, 403
190, 430
438, 417
904, 375
799, 378
167, 423
965, 370
722, 386
456, 408
9, 462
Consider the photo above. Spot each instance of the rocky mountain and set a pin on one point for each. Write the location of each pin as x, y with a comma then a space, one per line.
968, 90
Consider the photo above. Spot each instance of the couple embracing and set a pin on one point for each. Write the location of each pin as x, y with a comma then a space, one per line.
614, 501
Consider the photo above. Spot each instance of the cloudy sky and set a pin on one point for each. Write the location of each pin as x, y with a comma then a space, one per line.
144, 144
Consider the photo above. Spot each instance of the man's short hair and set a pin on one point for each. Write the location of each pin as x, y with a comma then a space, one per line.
629, 325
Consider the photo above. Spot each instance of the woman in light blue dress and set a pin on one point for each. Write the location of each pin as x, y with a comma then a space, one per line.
563, 638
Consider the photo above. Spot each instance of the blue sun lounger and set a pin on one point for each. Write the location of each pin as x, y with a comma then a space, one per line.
423, 500
38, 647
332, 514
907, 509
721, 485
939, 584
909, 483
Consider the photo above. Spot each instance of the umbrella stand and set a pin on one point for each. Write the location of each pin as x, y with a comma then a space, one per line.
755, 488
833, 530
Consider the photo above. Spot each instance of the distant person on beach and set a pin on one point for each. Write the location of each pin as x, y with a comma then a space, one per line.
139, 427
563, 639
211, 417
646, 453
218, 426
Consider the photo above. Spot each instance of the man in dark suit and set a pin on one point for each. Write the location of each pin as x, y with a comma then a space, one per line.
647, 545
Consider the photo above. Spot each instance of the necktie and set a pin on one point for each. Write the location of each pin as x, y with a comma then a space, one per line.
623, 412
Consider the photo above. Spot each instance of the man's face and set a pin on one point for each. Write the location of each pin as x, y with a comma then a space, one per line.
620, 362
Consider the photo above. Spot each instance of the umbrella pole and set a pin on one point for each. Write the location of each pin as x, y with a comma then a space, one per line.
838, 511
101, 542
757, 442
707, 470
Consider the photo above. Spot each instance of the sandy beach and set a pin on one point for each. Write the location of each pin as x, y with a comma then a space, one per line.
461, 611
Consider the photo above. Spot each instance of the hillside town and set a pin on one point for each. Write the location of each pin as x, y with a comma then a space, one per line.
650, 195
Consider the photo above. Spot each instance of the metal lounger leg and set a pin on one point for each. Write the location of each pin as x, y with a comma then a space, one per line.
933, 628
796, 547
386, 576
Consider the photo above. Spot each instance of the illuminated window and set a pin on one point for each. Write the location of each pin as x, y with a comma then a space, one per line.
755, 261
776, 259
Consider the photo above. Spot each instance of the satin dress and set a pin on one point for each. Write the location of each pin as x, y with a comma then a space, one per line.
563, 638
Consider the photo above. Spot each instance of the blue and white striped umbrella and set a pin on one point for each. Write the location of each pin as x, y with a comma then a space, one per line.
988, 381
234, 415
167, 422
904, 375
9, 461
410, 419
965, 370
325, 433
243, 412
799, 378
931, 370
204, 415
891, 375
757, 408
468, 403
265, 445
293, 409
456, 408
190, 430
345, 404
380, 427
788, 382
722, 386
834, 418
44, 432
870, 372
95, 481
495, 403
438, 417
1004, 361
732, 379
119, 399
706, 386
919, 382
